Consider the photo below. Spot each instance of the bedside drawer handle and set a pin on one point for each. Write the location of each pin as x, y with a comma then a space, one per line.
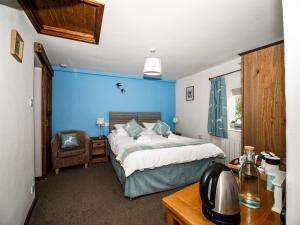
98, 145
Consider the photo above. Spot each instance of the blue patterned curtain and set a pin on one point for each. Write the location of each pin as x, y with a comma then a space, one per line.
217, 112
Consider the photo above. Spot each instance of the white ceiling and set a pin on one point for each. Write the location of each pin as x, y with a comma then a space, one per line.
189, 36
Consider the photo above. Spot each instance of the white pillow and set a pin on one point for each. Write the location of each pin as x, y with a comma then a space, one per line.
149, 126
113, 131
148, 132
120, 131
116, 134
118, 126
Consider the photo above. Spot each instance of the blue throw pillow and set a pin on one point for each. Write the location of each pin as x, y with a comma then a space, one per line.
161, 128
69, 140
133, 129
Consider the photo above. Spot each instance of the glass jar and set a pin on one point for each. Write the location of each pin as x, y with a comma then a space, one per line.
249, 177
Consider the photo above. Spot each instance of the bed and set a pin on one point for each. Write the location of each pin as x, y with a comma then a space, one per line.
147, 171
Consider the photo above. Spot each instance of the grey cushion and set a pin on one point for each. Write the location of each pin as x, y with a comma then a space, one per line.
161, 128
133, 129
69, 140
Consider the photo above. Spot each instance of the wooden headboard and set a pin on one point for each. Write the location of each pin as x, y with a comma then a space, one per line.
140, 117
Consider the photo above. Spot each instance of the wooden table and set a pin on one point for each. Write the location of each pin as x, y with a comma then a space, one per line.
185, 207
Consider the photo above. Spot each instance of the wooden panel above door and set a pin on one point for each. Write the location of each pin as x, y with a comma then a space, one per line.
73, 19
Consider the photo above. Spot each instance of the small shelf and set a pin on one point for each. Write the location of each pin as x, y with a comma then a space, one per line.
98, 148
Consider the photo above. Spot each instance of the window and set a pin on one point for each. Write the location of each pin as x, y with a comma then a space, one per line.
235, 109
238, 107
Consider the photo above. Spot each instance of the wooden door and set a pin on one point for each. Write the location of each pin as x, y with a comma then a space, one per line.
264, 99
46, 119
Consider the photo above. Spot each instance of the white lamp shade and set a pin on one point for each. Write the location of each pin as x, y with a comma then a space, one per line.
100, 121
152, 67
175, 119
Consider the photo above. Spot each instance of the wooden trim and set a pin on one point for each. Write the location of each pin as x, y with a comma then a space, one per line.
98, 23
46, 119
53, 30
26, 222
58, 32
40, 51
262, 47
37, 22
34, 20
242, 119
40, 178
93, 2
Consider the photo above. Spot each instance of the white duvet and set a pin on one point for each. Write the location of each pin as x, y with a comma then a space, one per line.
153, 158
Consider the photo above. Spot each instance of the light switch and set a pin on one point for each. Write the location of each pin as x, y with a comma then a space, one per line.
30, 102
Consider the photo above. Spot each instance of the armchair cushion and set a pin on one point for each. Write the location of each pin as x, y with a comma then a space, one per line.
70, 156
69, 140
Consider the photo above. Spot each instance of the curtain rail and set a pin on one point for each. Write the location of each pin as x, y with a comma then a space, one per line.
225, 74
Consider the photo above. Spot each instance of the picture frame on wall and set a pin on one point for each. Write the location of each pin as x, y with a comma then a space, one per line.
189, 93
17, 45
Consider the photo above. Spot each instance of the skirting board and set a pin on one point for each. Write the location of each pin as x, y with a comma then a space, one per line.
30, 211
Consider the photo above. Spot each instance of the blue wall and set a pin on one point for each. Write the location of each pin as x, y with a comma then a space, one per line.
79, 97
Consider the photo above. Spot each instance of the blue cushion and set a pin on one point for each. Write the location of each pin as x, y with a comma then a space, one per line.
133, 129
161, 128
69, 140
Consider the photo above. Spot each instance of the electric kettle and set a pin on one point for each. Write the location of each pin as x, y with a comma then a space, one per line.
219, 193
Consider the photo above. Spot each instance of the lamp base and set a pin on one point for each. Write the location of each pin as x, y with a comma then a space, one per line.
101, 131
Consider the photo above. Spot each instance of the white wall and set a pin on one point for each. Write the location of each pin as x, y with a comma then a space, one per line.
38, 121
16, 120
193, 115
291, 18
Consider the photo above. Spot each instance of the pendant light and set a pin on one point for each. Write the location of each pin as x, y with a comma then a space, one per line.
152, 66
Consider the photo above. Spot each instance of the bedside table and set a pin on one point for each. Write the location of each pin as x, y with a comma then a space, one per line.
98, 148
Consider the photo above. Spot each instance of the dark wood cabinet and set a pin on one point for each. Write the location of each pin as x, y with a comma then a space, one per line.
264, 99
98, 148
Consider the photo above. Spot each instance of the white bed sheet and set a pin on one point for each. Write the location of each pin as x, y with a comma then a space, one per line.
153, 158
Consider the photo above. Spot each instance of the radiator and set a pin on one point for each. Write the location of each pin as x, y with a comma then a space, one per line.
231, 145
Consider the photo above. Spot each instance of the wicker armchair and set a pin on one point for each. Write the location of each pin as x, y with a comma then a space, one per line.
64, 157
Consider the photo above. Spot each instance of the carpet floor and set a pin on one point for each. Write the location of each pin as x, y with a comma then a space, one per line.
93, 196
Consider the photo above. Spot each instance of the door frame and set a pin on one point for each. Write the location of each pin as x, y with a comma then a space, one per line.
46, 71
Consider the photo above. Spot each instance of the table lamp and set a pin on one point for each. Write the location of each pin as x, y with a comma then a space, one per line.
175, 121
100, 122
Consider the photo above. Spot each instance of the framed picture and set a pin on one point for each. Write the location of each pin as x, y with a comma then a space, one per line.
16, 45
189, 94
